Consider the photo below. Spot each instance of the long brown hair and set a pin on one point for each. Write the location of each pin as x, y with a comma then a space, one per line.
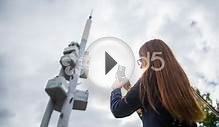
169, 85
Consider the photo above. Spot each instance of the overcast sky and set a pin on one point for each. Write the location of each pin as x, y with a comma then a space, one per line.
33, 34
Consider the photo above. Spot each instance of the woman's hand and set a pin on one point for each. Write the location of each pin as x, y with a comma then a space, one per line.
127, 86
121, 80
119, 83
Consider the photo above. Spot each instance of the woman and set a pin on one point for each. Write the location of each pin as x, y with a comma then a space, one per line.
163, 92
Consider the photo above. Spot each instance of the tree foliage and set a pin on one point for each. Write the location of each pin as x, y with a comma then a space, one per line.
211, 120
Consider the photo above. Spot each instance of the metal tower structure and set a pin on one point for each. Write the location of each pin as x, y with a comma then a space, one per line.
62, 89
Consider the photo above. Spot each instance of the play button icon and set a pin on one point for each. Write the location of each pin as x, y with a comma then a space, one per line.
106, 55
109, 63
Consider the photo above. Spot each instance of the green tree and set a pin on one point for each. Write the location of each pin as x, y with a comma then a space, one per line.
211, 120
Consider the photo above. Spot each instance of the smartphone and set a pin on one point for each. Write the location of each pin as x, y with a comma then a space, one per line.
120, 72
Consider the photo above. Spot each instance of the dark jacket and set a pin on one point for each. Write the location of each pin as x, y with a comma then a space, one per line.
125, 106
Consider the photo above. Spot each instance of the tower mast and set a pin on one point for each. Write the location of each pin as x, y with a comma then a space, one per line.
69, 101
64, 102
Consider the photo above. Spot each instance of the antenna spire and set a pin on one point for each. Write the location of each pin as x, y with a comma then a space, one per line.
91, 14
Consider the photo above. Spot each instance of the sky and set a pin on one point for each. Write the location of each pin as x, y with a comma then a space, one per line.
33, 34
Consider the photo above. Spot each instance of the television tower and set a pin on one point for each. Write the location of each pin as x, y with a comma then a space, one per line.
62, 89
